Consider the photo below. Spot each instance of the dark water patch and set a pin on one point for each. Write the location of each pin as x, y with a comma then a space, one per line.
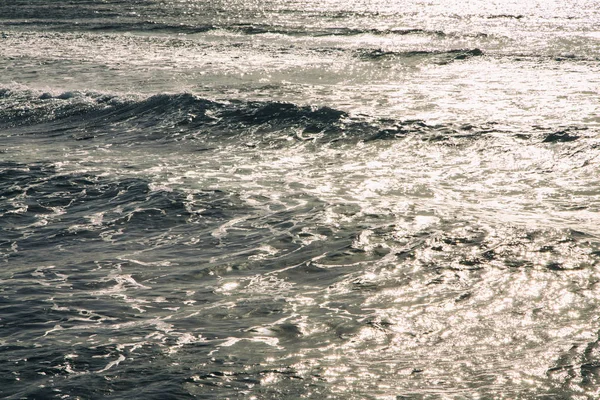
556, 266
560, 137
578, 366
83, 373
506, 16
45, 210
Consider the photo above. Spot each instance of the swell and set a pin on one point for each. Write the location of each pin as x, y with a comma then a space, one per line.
243, 28
26, 107
87, 115
184, 116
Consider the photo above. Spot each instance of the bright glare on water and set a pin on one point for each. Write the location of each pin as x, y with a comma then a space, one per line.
282, 200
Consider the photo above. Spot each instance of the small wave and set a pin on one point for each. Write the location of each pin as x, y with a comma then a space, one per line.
435, 56
329, 31
562, 57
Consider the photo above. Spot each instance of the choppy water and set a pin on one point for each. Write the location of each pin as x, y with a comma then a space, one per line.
281, 200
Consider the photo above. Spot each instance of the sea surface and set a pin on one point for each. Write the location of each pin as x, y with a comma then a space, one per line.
300, 199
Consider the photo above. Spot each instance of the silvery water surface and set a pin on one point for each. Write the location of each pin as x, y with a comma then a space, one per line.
276, 199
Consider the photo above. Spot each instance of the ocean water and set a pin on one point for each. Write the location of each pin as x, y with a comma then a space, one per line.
268, 199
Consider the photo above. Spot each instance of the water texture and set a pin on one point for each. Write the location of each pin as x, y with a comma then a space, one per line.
288, 199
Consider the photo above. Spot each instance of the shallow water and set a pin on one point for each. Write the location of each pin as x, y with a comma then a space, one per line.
269, 199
